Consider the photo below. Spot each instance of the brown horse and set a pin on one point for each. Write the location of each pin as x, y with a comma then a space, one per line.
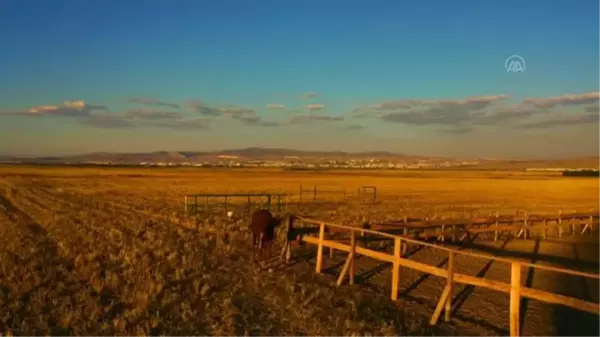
263, 231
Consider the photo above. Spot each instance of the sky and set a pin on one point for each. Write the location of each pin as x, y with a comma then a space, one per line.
415, 77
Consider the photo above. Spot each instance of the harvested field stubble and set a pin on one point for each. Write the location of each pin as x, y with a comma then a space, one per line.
109, 251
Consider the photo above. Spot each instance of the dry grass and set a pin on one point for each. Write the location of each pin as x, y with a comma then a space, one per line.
109, 251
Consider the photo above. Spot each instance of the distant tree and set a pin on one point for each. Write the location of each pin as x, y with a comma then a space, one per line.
581, 173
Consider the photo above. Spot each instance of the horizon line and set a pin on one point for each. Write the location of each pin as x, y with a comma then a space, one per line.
564, 157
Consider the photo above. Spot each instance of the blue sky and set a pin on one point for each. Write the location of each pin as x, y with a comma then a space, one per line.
197, 75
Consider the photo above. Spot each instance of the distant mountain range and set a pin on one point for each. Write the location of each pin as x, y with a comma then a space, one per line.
258, 154
251, 153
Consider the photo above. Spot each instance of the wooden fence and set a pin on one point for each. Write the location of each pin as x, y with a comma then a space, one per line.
263, 199
515, 290
367, 192
329, 192
321, 192
523, 226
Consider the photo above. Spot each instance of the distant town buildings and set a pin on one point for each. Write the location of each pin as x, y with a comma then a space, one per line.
295, 162
313, 163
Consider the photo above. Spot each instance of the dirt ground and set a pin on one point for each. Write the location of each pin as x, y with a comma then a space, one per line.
110, 252
482, 311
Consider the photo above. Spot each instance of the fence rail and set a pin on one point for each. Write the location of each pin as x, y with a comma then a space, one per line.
316, 190
515, 290
326, 192
523, 226
191, 204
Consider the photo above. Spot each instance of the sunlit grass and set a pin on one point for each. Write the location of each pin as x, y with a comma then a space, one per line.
109, 251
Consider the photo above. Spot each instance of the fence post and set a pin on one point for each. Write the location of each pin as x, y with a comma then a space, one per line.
515, 298
560, 229
396, 269
405, 233
450, 280
497, 225
320, 248
573, 224
185, 205
353, 252
443, 233
453, 232
525, 225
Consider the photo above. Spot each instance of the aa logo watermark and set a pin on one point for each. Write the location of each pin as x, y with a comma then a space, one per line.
515, 64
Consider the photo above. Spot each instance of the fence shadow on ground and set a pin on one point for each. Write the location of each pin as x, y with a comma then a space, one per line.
554, 259
567, 320
573, 322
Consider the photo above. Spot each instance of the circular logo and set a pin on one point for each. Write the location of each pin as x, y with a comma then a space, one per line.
515, 64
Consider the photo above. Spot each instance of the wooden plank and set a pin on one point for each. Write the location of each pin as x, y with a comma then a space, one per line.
559, 221
561, 270
396, 269
353, 252
502, 219
449, 286
525, 232
440, 305
515, 289
220, 195
541, 226
332, 226
346, 248
496, 224
424, 232
495, 229
286, 252
344, 269
567, 301
481, 282
320, 248
389, 258
515, 298
456, 277
545, 229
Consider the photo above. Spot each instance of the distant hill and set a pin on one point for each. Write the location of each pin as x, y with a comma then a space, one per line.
580, 162
251, 153
258, 154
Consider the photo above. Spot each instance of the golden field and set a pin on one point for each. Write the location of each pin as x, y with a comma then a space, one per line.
110, 251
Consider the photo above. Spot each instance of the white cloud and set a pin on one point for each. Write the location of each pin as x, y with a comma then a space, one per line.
275, 106
315, 107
